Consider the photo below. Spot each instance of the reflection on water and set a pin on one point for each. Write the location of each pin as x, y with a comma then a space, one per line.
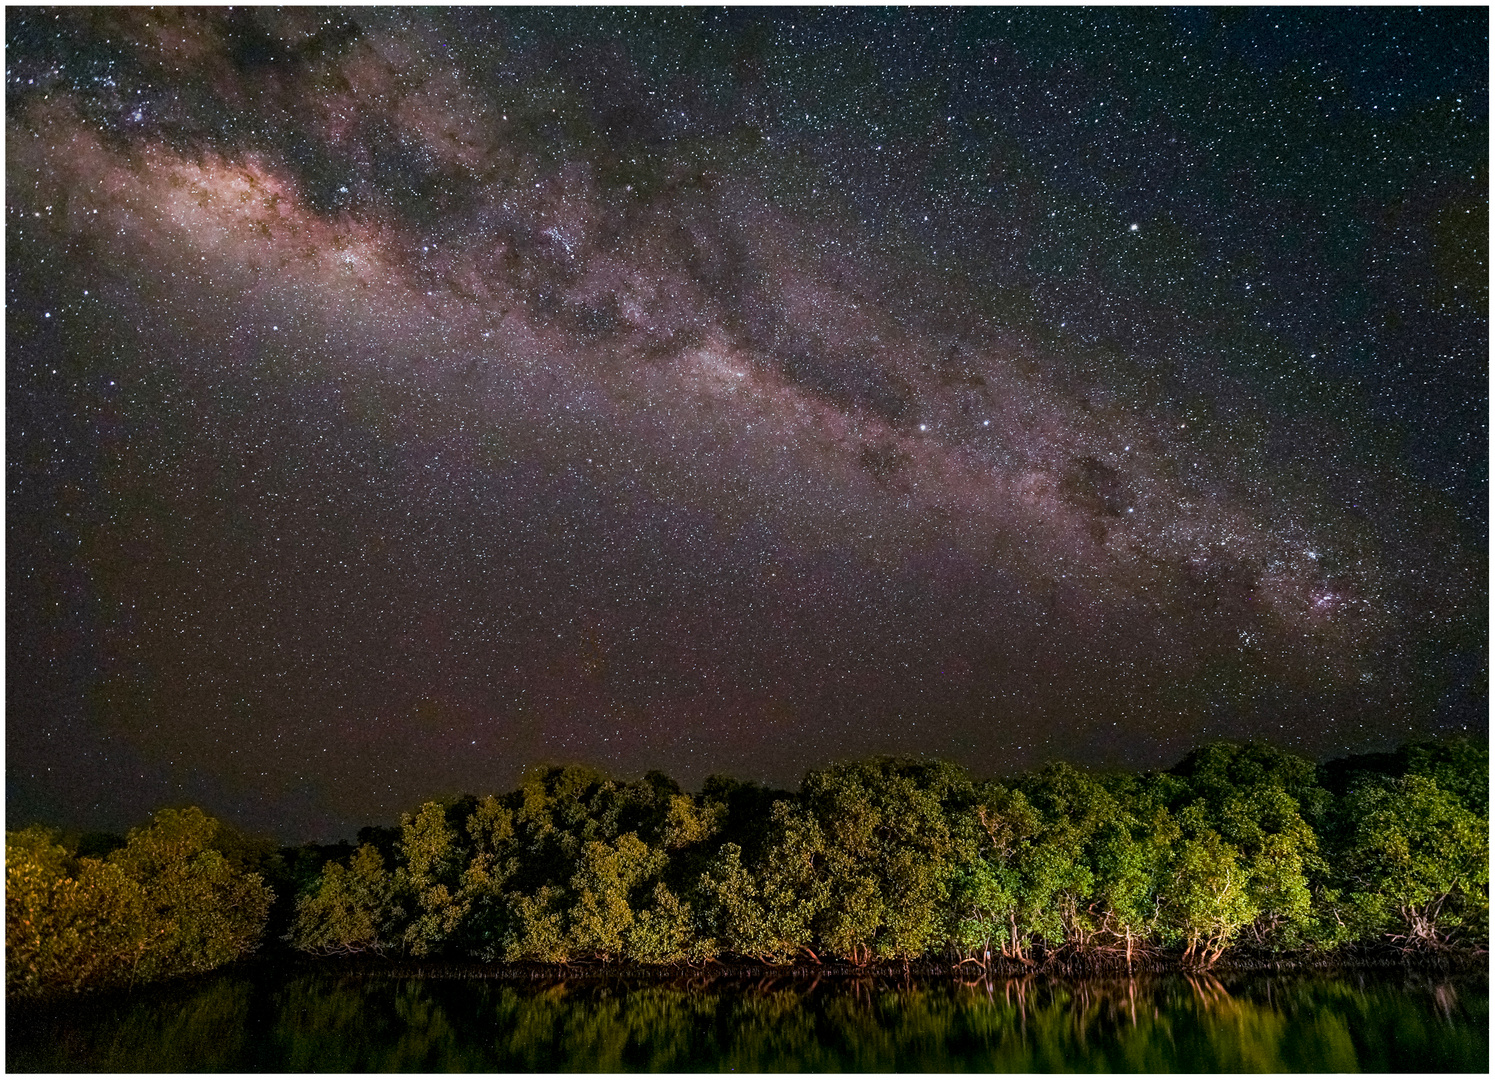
346, 1023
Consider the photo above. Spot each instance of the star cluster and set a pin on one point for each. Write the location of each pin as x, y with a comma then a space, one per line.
399, 398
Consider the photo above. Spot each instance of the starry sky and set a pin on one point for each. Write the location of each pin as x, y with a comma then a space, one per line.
397, 399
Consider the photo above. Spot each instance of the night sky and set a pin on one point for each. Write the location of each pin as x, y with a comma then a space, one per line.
397, 399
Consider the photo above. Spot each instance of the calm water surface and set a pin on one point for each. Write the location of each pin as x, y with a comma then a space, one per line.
343, 1023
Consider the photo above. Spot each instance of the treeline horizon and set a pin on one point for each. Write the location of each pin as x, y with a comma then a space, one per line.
885, 859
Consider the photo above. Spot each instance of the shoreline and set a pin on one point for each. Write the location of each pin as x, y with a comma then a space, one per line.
282, 965
1059, 968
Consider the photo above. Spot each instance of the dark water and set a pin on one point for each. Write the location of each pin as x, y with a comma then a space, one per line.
344, 1023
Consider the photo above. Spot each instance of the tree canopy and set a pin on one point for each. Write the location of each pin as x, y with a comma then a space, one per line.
886, 859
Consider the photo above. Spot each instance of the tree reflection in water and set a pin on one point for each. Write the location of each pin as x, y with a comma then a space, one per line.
346, 1023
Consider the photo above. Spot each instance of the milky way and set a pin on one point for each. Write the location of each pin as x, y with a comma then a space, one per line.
399, 399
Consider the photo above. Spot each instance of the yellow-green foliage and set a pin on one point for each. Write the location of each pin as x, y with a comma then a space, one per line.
1418, 863
165, 904
891, 859
606, 874
432, 865
349, 908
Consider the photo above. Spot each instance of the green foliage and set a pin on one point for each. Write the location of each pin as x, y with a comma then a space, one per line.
199, 912
665, 931
1131, 857
433, 864
984, 901
1246, 805
988, 887
167, 903
882, 859
1207, 899
539, 932
792, 882
485, 880
349, 910
738, 914
873, 852
1459, 767
1417, 863
689, 822
606, 874
887, 859
1053, 861
66, 929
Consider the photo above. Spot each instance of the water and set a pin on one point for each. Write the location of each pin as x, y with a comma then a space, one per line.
343, 1023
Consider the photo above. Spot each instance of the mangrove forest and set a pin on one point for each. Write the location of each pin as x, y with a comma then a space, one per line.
1239, 851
